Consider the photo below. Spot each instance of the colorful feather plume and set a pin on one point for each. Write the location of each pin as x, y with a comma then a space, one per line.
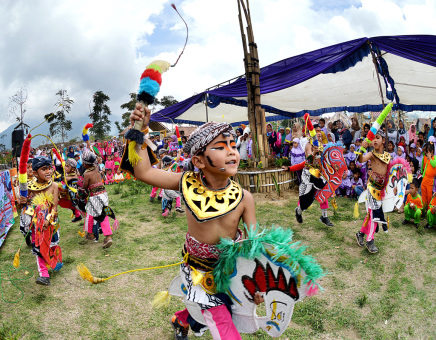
376, 126
85, 136
312, 131
22, 176
179, 139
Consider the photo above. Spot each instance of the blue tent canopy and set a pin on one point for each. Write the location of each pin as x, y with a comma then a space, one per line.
331, 79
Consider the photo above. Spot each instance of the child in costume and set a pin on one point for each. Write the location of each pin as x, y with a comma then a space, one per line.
413, 207
97, 201
428, 170
431, 212
64, 195
375, 186
39, 218
311, 181
169, 164
162, 153
216, 204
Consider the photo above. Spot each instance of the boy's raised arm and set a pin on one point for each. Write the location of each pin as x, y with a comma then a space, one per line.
143, 169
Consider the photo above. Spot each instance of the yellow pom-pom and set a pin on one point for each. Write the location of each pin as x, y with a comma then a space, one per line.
162, 299
334, 203
16, 262
197, 276
409, 178
356, 210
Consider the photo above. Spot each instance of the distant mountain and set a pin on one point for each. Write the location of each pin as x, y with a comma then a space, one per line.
76, 132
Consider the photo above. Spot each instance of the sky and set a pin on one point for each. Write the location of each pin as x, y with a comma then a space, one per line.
85, 46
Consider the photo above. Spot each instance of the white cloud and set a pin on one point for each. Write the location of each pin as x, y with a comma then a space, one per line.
85, 46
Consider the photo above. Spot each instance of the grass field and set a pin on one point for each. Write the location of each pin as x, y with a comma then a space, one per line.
389, 295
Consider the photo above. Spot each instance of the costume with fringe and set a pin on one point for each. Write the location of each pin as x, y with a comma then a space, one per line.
267, 262
44, 242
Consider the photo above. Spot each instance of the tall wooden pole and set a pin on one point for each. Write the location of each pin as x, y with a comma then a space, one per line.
256, 115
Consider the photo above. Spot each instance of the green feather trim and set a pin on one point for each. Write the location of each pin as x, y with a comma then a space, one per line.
253, 246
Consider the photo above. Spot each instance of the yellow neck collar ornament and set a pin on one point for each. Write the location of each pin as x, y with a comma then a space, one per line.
385, 157
206, 204
35, 186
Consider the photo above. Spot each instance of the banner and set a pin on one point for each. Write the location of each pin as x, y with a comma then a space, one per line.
7, 205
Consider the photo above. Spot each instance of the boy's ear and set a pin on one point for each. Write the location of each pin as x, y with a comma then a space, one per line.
198, 162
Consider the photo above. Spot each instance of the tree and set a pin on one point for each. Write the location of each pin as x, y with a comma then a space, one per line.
166, 101
18, 106
60, 124
129, 106
100, 115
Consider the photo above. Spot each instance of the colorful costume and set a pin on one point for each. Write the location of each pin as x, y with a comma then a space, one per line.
375, 188
431, 213
45, 242
413, 214
428, 170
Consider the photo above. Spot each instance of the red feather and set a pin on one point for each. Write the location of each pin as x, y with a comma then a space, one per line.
25, 151
308, 122
177, 132
89, 125
58, 156
153, 75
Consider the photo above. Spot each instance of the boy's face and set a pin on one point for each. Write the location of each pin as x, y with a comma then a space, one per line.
330, 125
377, 142
421, 136
356, 176
318, 133
358, 143
43, 174
390, 147
222, 156
413, 190
321, 123
68, 168
366, 129
29, 170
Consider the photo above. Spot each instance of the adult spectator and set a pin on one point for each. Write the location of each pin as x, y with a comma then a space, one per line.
402, 132
356, 132
392, 132
343, 134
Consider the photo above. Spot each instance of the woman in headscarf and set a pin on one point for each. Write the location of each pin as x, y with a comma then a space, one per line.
287, 143
297, 132
272, 139
331, 137
281, 135
413, 138
392, 132
350, 156
402, 132
343, 134
70, 153
432, 131
355, 129
297, 155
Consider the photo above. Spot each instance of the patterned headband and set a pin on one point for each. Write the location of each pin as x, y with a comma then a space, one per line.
205, 134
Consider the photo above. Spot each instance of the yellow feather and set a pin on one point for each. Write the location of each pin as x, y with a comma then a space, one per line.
356, 210
161, 299
16, 263
81, 233
134, 158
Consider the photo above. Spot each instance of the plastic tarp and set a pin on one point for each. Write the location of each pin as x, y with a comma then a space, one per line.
332, 79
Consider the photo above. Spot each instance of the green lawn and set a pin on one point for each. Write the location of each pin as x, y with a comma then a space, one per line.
390, 295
